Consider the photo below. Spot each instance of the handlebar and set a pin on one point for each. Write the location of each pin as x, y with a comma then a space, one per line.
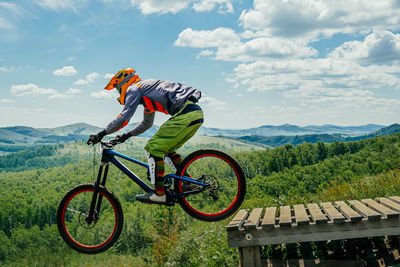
110, 144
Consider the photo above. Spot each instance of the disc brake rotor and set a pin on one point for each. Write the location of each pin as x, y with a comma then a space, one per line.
82, 219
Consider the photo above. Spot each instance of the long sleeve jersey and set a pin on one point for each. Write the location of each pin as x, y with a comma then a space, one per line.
154, 95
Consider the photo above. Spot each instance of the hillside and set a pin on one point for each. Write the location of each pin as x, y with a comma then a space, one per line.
46, 156
293, 130
155, 235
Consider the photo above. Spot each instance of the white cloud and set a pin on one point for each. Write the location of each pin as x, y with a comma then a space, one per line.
35, 91
90, 78
174, 6
104, 94
57, 5
65, 71
300, 18
208, 5
160, 6
10, 14
11, 8
30, 90
214, 103
231, 48
59, 96
4, 69
73, 91
6, 100
377, 47
259, 48
202, 39
5, 24
290, 74
205, 53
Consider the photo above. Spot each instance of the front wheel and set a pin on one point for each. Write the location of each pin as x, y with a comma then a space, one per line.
226, 190
84, 234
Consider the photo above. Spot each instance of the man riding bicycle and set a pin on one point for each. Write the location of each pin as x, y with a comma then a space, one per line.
171, 98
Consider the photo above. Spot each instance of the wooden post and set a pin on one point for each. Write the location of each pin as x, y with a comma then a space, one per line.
249, 257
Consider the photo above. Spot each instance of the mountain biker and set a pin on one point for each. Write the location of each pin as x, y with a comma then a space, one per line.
171, 98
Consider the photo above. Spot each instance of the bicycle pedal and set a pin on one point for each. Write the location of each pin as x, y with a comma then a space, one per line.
169, 204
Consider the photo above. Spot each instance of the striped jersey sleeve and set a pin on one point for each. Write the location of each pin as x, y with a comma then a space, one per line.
131, 103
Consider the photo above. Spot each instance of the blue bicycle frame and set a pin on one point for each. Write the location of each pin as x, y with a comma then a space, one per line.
110, 155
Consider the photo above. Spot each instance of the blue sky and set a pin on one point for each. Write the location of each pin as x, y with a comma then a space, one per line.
257, 62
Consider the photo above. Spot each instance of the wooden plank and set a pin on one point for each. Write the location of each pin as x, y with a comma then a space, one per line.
313, 263
348, 212
389, 213
250, 256
368, 213
395, 199
269, 218
332, 213
237, 221
254, 219
316, 213
389, 203
314, 232
396, 254
300, 214
285, 216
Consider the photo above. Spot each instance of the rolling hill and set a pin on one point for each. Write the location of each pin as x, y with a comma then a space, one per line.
293, 130
18, 138
314, 138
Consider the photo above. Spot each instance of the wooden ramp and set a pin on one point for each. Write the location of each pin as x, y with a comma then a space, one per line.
312, 222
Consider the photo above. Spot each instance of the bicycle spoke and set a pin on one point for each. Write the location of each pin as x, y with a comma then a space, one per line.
225, 190
89, 233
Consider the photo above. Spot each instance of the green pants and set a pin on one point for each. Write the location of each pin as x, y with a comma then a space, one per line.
175, 132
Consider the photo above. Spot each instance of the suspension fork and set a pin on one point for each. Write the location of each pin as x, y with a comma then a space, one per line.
95, 204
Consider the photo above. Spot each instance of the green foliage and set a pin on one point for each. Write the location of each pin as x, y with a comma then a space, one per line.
156, 235
203, 245
5, 245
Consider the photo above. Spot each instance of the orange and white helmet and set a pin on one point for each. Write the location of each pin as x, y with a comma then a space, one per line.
122, 80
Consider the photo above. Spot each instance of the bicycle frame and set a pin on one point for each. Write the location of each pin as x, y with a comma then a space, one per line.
109, 155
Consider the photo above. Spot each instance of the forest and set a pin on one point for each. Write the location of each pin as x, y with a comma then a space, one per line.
32, 184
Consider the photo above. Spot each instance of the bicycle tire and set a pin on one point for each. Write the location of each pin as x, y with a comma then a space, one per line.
62, 220
230, 166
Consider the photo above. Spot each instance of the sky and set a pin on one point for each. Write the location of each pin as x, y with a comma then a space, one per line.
261, 62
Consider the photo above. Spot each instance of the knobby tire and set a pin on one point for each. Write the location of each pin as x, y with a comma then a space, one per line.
238, 188
106, 196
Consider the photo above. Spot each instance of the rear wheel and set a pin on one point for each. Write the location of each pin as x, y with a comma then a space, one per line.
227, 185
84, 234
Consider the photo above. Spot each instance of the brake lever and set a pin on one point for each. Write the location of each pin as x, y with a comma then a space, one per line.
114, 142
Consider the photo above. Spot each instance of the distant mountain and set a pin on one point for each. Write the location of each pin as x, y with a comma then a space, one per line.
314, 138
73, 129
293, 130
30, 135
350, 130
394, 128
20, 137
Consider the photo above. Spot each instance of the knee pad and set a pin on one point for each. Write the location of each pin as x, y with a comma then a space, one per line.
152, 167
170, 163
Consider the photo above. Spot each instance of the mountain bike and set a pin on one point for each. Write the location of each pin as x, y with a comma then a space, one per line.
209, 185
